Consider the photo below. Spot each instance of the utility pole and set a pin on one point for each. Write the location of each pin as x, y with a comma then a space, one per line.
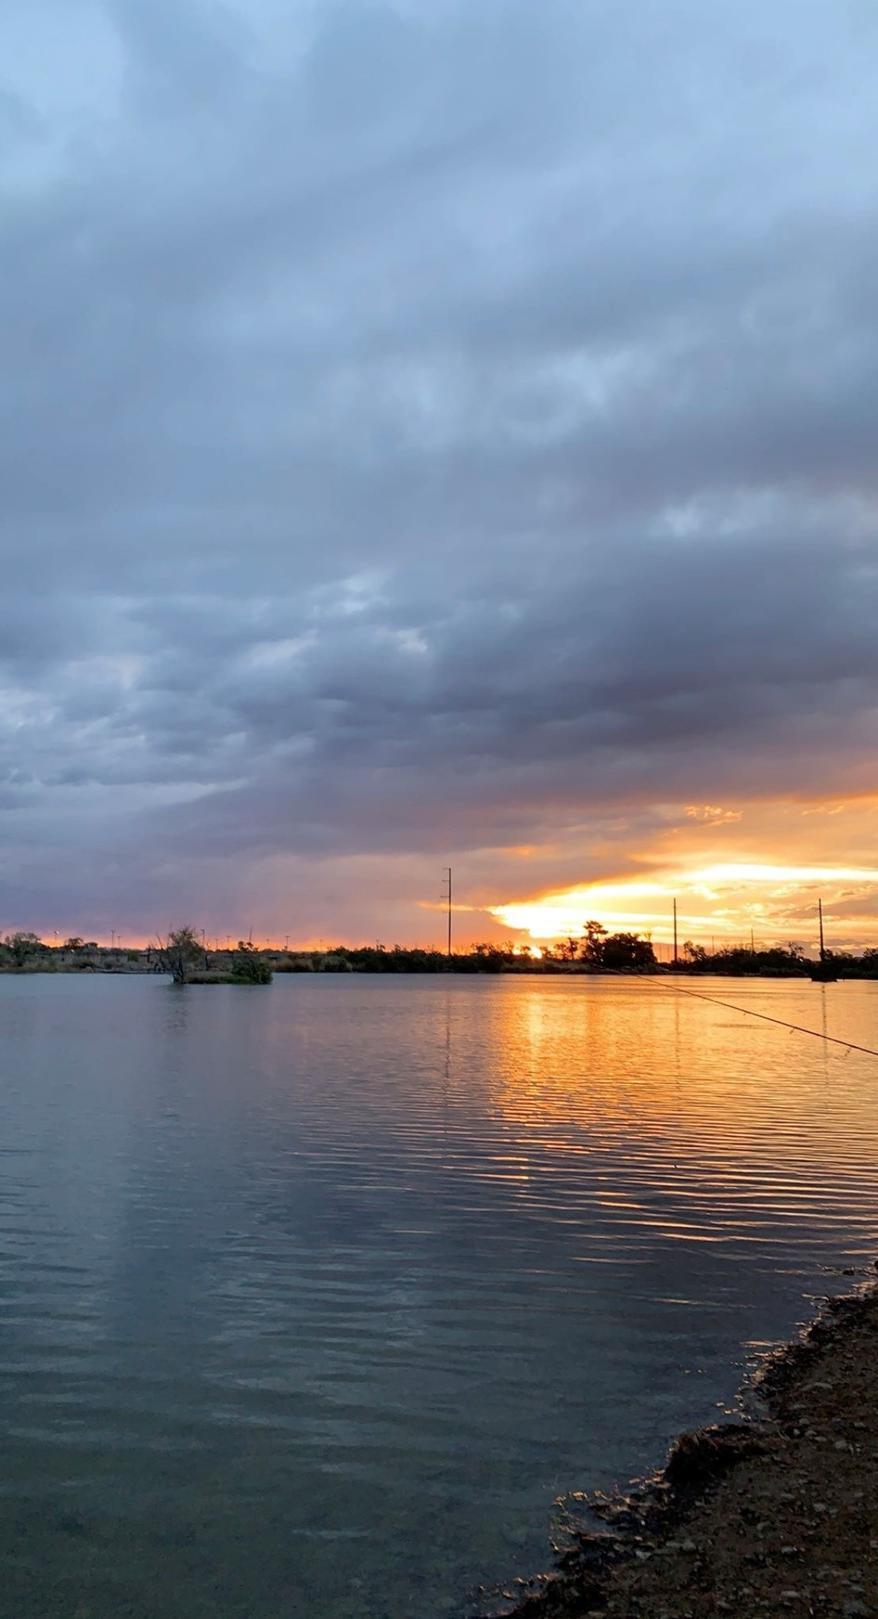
447, 879
675, 933
820, 915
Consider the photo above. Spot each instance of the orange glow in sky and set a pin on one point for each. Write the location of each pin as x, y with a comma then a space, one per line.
723, 901
752, 872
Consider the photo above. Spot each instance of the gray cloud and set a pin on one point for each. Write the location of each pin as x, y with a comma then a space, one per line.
426, 427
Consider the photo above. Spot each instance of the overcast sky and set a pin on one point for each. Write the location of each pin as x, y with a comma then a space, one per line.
432, 432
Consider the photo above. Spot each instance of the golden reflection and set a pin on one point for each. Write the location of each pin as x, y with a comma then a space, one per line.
584, 1058
588, 1063
663, 1112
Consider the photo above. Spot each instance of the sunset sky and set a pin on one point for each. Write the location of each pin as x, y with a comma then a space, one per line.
439, 431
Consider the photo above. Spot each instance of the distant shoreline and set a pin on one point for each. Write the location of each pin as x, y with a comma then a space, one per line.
595, 952
215, 972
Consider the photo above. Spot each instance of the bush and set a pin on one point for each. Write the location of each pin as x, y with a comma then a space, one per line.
248, 967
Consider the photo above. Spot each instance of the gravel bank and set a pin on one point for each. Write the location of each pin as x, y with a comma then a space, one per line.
776, 1517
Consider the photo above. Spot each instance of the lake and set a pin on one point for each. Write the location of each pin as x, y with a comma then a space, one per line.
314, 1298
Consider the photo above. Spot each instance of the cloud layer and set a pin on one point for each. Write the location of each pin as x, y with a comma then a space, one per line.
430, 430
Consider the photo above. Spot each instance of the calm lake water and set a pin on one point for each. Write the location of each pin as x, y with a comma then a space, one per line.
315, 1297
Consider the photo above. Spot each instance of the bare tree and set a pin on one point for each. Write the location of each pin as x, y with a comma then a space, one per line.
181, 953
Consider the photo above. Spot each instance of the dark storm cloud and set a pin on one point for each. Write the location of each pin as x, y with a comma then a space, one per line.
426, 425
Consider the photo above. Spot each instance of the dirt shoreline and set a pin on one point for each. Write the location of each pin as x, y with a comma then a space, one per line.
774, 1516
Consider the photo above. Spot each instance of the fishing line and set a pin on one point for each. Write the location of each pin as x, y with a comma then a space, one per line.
747, 1011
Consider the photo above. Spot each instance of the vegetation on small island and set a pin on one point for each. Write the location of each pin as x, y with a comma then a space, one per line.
185, 956
188, 958
249, 967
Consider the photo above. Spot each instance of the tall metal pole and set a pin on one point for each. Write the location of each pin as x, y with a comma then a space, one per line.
675, 933
449, 911
820, 914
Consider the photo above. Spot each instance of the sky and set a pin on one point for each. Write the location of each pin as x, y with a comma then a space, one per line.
438, 432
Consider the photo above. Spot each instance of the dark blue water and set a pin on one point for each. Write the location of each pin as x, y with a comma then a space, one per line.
314, 1298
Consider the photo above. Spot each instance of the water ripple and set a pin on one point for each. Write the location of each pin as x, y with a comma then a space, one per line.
287, 1271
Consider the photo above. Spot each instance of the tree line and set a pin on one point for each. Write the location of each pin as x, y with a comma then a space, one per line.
788, 961
187, 958
595, 950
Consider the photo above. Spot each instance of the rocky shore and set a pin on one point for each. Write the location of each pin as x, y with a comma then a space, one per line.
774, 1517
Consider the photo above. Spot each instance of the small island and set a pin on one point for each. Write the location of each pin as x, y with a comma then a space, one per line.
183, 955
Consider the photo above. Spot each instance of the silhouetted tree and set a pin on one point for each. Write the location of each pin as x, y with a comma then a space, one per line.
614, 952
181, 953
23, 947
627, 950
595, 933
